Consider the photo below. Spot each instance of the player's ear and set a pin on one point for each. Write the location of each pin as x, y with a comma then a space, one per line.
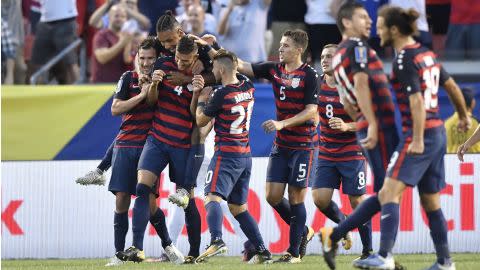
346, 23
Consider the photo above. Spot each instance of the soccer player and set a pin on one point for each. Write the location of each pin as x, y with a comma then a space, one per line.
340, 158
168, 143
294, 154
419, 157
363, 88
229, 172
129, 101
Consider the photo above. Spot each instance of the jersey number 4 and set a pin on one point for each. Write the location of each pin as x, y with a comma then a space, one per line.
235, 128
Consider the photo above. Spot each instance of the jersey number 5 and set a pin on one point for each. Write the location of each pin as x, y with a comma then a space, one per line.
235, 127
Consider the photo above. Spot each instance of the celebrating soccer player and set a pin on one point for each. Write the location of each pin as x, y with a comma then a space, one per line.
419, 158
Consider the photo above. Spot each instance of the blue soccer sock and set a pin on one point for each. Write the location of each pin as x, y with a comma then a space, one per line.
194, 227
141, 215
363, 213
214, 220
120, 228
388, 227
297, 227
106, 162
250, 229
333, 213
438, 231
365, 232
283, 209
158, 222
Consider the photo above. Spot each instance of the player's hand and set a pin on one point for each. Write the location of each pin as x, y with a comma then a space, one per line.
143, 78
272, 125
144, 90
178, 78
209, 38
371, 140
198, 83
158, 75
416, 147
198, 40
198, 67
205, 94
462, 150
464, 124
338, 124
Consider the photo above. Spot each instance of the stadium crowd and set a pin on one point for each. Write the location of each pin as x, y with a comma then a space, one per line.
33, 31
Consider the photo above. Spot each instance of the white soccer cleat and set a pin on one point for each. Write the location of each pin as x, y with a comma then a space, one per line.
174, 254
437, 266
180, 198
94, 177
114, 261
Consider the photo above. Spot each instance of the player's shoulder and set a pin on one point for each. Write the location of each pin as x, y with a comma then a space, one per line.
246, 81
310, 71
127, 75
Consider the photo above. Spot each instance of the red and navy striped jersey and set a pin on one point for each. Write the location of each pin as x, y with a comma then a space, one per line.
354, 55
335, 145
137, 122
232, 106
416, 69
293, 92
173, 120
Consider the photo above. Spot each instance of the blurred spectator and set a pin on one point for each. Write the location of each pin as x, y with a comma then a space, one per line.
210, 23
456, 138
321, 28
112, 48
425, 38
437, 12
136, 21
55, 31
285, 16
196, 21
8, 54
153, 9
12, 14
463, 37
372, 7
242, 28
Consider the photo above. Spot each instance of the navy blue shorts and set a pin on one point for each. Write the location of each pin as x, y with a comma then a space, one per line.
156, 155
427, 171
379, 156
351, 174
124, 170
229, 178
194, 163
290, 166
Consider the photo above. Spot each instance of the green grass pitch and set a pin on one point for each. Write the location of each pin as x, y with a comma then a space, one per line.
464, 261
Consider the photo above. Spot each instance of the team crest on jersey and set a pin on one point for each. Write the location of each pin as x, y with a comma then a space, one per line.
295, 82
361, 55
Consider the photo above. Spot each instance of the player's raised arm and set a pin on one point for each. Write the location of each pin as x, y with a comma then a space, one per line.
456, 97
152, 95
364, 100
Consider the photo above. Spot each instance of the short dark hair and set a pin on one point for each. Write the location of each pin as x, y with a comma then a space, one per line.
404, 20
148, 43
187, 45
224, 54
299, 37
331, 45
167, 22
346, 12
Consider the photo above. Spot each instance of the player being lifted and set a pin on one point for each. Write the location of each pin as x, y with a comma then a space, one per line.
294, 154
363, 87
229, 172
168, 143
419, 158
340, 158
129, 101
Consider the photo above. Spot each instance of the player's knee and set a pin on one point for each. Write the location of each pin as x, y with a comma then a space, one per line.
430, 202
296, 195
143, 190
236, 209
274, 199
321, 202
122, 202
212, 198
355, 200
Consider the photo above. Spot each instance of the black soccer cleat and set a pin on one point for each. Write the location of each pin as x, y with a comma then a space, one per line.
132, 254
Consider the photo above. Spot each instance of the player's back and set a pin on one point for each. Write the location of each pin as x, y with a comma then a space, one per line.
137, 122
335, 144
232, 118
173, 120
417, 69
354, 55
